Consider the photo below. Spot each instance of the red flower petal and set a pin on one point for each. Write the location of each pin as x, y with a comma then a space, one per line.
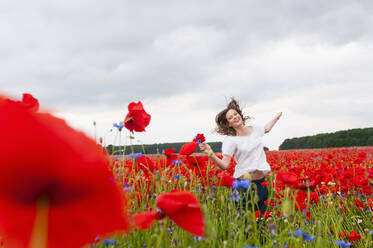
144, 220
183, 209
359, 204
226, 180
354, 236
287, 177
169, 151
188, 148
200, 137
30, 102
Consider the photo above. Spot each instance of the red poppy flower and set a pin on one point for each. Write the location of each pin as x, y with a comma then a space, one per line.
267, 215
354, 236
188, 148
265, 183
181, 207
169, 151
370, 203
146, 164
42, 157
200, 138
359, 204
226, 180
30, 102
258, 213
137, 119
287, 178
342, 234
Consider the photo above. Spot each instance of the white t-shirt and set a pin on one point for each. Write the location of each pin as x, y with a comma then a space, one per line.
248, 151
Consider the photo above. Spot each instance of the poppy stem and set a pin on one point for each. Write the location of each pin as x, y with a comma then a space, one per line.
127, 120
39, 235
161, 235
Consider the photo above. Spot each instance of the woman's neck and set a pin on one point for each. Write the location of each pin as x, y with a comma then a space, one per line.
242, 131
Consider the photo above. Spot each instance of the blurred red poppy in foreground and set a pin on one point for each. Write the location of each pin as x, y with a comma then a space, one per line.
181, 207
137, 119
42, 159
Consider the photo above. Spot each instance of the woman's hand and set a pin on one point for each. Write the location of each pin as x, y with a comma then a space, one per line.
278, 115
205, 148
270, 124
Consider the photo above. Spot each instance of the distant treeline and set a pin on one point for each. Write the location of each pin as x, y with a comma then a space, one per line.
346, 138
158, 148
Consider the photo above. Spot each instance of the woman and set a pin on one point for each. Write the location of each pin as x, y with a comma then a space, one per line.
245, 143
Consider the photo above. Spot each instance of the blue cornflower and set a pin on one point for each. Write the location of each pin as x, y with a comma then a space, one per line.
177, 176
298, 232
235, 196
343, 195
137, 155
177, 161
341, 243
120, 125
241, 184
362, 196
126, 187
213, 186
110, 242
307, 237
197, 238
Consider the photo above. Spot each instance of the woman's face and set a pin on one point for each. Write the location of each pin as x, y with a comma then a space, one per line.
234, 119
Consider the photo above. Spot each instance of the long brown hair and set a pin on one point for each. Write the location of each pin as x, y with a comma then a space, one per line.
222, 122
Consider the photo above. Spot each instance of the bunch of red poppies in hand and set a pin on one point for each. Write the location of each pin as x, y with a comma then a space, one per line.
189, 148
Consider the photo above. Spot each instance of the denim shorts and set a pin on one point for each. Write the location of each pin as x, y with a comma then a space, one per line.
256, 187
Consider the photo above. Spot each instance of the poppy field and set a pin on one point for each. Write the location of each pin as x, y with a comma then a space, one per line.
66, 191
317, 198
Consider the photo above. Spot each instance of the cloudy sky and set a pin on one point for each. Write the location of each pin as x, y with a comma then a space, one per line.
87, 60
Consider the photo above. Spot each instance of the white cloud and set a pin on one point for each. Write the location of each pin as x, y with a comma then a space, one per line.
87, 60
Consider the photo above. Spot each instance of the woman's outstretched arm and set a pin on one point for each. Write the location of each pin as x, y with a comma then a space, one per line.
221, 163
270, 124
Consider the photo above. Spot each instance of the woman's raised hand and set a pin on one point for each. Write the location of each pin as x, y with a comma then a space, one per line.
205, 148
